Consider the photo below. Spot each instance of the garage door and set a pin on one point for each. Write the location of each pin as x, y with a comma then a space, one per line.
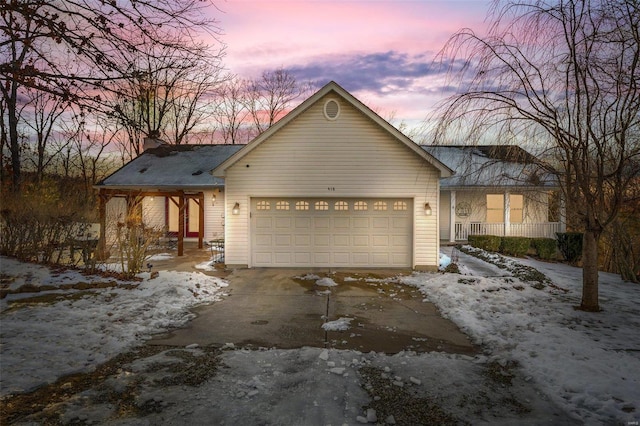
299, 232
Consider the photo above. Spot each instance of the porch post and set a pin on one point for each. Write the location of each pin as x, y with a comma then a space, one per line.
180, 223
452, 217
507, 214
200, 219
101, 252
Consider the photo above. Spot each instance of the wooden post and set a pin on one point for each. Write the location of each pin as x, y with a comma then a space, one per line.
181, 223
101, 252
200, 219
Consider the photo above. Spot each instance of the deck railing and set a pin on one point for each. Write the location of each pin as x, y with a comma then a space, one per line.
532, 230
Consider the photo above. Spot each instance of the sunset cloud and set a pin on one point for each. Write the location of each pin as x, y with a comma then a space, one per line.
380, 50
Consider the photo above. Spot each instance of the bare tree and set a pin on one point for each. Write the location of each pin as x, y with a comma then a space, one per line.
98, 37
168, 95
232, 114
41, 113
271, 96
564, 77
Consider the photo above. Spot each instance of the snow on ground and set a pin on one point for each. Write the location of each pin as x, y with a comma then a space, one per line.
567, 365
68, 330
341, 324
588, 363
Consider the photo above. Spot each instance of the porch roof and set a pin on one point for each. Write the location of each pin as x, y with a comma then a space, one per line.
172, 166
490, 166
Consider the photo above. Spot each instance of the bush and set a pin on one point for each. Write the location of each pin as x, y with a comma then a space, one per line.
485, 242
545, 247
515, 246
570, 245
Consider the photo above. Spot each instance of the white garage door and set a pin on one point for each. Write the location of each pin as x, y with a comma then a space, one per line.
332, 232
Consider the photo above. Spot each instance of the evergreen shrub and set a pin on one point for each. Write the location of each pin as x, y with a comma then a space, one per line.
485, 242
515, 246
545, 247
570, 245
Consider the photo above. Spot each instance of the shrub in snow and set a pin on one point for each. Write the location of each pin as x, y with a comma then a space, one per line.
515, 246
485, 242
570, 245
546, 248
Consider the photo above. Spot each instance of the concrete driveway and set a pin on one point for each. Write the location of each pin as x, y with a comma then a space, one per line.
268, 307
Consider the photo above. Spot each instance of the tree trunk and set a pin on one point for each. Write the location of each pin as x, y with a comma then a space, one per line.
590, 271
14, 139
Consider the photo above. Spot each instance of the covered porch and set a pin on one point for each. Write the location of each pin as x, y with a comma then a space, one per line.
492, 211
134, 199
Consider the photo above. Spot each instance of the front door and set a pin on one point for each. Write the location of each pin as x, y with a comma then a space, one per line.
191, 217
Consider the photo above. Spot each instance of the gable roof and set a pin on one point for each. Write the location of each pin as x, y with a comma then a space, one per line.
172, 166
336, 89
490, 166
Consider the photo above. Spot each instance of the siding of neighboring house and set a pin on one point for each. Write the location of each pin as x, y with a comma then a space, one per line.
351, 157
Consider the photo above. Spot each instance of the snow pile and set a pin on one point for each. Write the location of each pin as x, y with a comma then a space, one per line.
76, 329
588, 363
444, 262
326, 282
341, 324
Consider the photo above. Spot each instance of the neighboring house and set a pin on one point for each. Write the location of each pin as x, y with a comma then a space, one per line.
497, 190
331, 184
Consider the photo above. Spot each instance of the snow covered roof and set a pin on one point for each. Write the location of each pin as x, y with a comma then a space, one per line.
172, 166
490, 166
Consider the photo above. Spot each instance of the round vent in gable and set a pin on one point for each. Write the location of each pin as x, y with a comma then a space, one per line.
331, 109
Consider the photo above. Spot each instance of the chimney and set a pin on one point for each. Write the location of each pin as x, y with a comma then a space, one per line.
152, 142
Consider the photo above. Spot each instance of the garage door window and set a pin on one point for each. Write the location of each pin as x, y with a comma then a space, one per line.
282, 205
399, 205
302, 205
263, 205
380, 206
360, 205
341, 206
322, 205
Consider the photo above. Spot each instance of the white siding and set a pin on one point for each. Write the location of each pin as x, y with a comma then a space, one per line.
213, 215
348, 157
154, 215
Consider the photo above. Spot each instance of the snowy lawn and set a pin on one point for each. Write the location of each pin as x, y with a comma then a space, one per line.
588, 363
60, 322
541, 362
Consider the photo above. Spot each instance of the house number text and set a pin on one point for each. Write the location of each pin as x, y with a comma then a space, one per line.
331, 188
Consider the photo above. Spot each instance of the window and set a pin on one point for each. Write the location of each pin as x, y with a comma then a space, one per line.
282, 205
400, 205
322, 205
516, 208
380, 205
360, 205
302, 205
341, 206
264, 205
495, 208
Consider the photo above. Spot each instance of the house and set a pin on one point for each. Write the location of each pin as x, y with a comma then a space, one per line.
331, 184
496, 190
173, 189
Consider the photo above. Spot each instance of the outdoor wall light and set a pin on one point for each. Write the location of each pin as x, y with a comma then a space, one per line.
236, 209
213, 200
427, 209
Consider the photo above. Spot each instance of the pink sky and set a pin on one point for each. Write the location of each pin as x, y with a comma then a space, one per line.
379, 50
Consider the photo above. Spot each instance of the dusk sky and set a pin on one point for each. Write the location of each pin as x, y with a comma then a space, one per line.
379, 50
